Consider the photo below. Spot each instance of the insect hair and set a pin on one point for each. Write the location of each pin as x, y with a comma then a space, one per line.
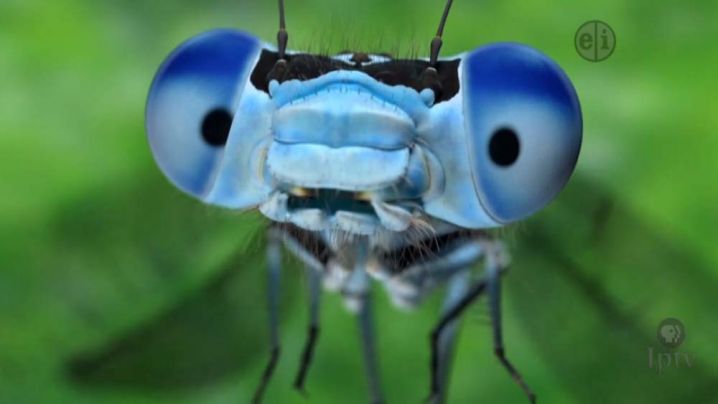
325, 43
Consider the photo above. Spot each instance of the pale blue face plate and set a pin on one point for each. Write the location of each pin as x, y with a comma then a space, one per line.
390, 145
343, 130
346, 108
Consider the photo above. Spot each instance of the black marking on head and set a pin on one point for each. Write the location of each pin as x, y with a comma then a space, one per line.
405, 72
216, 126
360, 57
504, 147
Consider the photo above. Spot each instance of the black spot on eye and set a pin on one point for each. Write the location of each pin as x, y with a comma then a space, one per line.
215, 127
504, 147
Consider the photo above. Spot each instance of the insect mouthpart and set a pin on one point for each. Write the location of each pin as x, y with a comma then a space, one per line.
363, 213
330, 200
354, 168
301, 192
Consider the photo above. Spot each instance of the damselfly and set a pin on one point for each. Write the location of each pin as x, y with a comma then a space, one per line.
371, 167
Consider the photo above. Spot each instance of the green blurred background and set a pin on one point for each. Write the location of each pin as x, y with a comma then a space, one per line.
114, 287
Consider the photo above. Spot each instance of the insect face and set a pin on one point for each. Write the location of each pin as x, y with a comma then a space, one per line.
481, 139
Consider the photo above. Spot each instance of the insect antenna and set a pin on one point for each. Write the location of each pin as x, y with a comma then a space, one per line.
430, 77
280, 66
437, 42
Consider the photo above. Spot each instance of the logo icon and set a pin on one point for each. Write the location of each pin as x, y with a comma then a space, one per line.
671, 333
595, 41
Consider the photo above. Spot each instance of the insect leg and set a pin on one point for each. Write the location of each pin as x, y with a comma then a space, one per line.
357, 293
314, 278
456, 288
447, 318
366, 330
310, 251
453, 269
414, 283
494, 266
274, 257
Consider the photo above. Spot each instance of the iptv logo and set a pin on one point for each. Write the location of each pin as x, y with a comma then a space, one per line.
670, 333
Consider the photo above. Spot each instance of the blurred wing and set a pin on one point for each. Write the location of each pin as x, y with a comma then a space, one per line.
591, 283
210, 334
163, 294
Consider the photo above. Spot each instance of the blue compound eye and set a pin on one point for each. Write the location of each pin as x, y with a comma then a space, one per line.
524, 124
191, 106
